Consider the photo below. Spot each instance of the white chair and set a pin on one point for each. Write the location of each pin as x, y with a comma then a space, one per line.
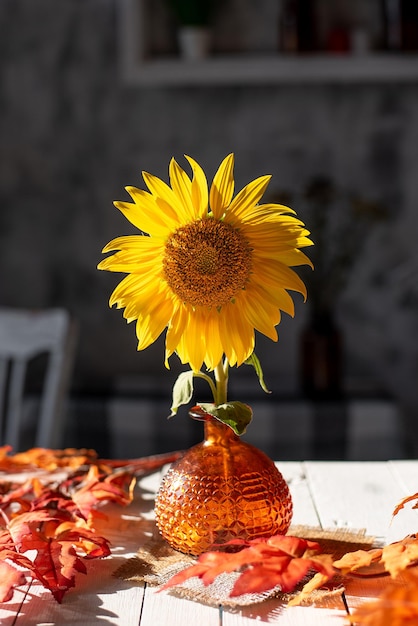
25, 334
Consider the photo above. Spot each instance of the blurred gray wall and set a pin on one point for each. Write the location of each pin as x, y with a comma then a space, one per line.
72, 135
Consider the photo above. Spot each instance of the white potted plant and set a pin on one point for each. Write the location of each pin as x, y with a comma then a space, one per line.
194, 21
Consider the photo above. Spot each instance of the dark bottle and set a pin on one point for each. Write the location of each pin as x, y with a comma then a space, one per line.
409, 25
306, 26
297, 28
288, 27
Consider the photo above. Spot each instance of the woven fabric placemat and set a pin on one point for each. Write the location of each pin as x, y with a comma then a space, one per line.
156, 562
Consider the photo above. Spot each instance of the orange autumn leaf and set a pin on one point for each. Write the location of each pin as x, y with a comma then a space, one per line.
316, 582
44, 458
393, 558
97, 488
397, 556
263, 564
352, 561
74, 458
396, 606
404, 501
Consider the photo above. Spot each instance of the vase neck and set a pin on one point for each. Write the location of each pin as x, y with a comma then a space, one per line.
215, 431
218, 432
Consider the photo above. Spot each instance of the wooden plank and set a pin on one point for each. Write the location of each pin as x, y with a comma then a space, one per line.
304, 511
274, 612
406, 473
9, 610
362, 495
163, 609
357, 495
98, 598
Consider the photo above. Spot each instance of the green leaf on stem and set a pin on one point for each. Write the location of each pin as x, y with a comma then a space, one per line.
236, 415
254, 361
182, 391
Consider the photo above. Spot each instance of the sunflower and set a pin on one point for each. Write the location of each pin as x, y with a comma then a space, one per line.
212, 268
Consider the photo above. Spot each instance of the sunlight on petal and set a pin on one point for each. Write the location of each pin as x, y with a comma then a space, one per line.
222, 188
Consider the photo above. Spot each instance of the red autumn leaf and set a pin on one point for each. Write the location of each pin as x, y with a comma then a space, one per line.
263, 564
286, 572
15, 497
9, 579
54, 500
46, 518
98, 488
56, 562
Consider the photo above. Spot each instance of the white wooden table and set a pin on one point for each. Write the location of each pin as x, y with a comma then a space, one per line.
329, 494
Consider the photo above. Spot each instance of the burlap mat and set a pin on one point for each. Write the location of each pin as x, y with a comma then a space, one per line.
155, 563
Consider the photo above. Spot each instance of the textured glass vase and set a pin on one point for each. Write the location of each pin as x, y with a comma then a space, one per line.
221, 489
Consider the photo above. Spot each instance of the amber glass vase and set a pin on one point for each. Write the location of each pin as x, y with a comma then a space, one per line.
221, 489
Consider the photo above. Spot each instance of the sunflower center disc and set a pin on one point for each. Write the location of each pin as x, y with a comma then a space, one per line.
207, 262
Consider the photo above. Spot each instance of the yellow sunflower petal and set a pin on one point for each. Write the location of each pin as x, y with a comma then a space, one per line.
199, 189
263, 318
134, 292
279, 298
149, 328
214, 347
222, 188
139, 219
129, 262
128, 241
295, 258
274, 274
146, 215
182, 187
191, 348
176, 328
134, 257
237, 335
244, 202
275, 208
166, 197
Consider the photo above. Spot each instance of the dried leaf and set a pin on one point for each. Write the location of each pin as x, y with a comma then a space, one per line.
353, 561
44, 458
404, 501
397, 556
397, 605
9, 579
263, 564
97, 488
309, 588
47, 520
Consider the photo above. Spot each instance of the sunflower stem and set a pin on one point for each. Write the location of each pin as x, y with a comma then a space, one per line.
221, 380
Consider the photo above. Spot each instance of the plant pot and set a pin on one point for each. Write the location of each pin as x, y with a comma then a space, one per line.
194, 42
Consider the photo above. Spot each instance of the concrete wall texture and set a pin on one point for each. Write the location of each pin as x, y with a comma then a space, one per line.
72, 135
